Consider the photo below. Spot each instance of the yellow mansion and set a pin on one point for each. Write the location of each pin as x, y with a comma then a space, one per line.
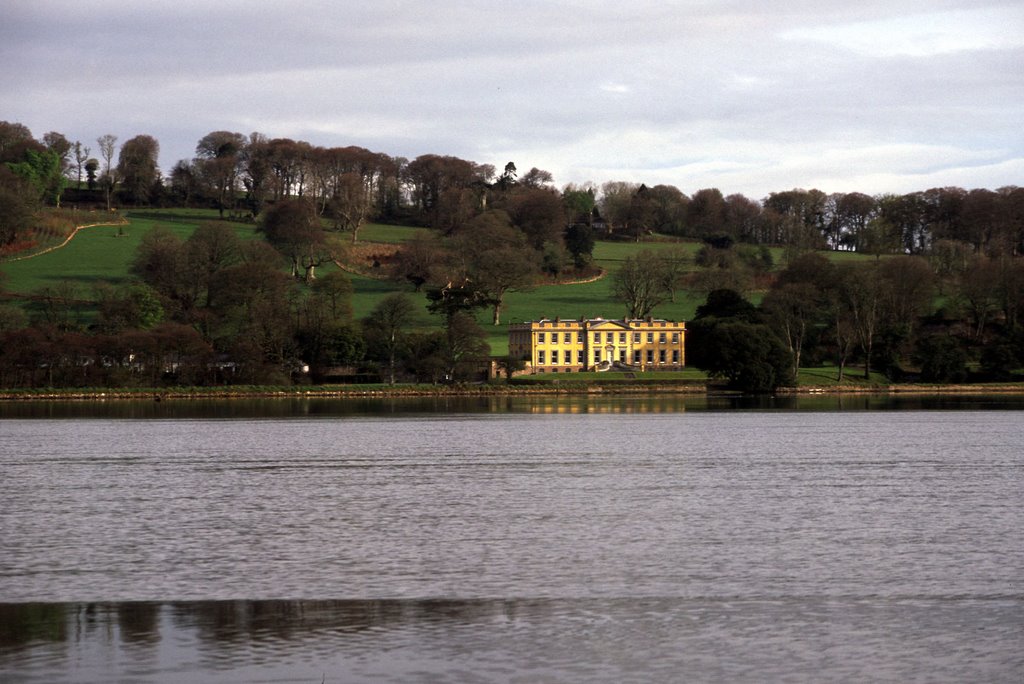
572, 346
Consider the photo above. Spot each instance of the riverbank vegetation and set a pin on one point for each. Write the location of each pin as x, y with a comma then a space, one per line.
276, 261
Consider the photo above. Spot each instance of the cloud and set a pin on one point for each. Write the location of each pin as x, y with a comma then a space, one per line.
719, 93
925, 34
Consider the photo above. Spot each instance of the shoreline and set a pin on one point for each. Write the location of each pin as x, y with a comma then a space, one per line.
420, 391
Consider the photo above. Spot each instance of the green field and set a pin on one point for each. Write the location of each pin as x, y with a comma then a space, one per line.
101, 253
379, 232
105, 253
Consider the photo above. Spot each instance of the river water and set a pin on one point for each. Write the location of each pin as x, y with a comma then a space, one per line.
637, 539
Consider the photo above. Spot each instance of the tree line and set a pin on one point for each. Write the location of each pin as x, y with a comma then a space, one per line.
215, 309
240, 174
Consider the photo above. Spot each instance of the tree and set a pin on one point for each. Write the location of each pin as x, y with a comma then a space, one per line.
256, 171
909, 289
426, 359
978, 215
667, 206
800, 217
40, 169
536, 178
58, 144
351, 203
334, 290
538, 213
12, 137
880, 237
57, 306
906, 219
137, 169
293, 227
579, 240
672, 266
107, 144
727, 339
579, 202
638, 284
466, 346
417, 261
81, 155
92, 167
793, 309
743, 219
255, 322
446, 191
218, 156
127, 307
324, 330
727, 304
16, 207
848, 219
212, 247
497, 258
942, 359
616, 204
749, 356
162, 262
507, 178
862, 293
184, 182
387, 330
705, 214
721, 268
979, 293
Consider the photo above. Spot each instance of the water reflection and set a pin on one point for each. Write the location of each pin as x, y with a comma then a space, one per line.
505, 640
562, 404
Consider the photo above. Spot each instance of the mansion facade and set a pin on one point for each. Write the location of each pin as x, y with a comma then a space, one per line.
573, 346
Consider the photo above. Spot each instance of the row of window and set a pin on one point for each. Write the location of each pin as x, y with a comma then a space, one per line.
609, 337
582, 359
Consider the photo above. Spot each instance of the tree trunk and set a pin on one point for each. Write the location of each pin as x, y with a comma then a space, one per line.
867, 361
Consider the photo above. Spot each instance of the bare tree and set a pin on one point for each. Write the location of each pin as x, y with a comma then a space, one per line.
638, 284
107, 144
81, 153
218, 157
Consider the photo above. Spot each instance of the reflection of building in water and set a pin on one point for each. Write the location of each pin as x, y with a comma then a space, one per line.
573, 346
618, 404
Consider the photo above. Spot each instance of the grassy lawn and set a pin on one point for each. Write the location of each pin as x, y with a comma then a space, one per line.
102, 253
825, 376
379, 232
105, 254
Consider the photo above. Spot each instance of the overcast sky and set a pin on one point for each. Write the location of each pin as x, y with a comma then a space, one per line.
748, 96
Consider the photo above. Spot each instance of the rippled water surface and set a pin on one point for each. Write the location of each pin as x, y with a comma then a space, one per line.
515, 545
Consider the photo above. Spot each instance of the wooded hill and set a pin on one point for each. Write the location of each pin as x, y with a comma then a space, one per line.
287, 255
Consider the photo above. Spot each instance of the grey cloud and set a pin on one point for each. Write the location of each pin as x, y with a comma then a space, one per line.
724, 88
